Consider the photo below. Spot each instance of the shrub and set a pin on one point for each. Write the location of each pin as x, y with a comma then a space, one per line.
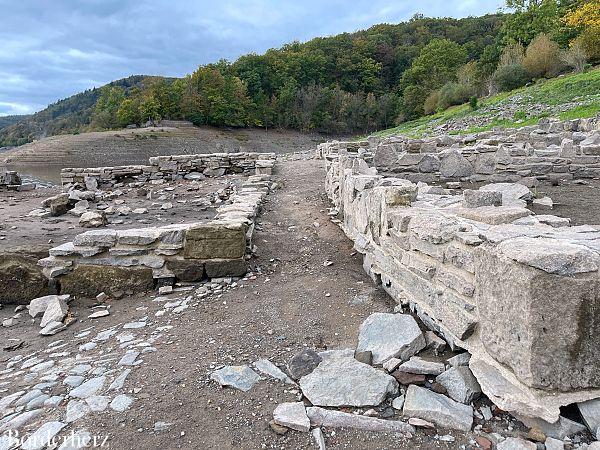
520, 115
590, 40
542, 57
575, 56
507, 78
473, 102
454, 94
431, 103
511, 55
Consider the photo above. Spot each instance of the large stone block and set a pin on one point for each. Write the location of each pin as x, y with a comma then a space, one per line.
21, 278
186, 269
216, 268
89, 280
541, 325
215, 241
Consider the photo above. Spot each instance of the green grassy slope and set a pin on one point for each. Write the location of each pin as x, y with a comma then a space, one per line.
567, 97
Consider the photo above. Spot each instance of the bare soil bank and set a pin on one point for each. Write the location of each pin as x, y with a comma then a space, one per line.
43, 159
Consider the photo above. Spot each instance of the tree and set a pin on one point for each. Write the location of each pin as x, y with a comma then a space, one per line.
532, 17
105, 110
542, 57
585, 17
575, 56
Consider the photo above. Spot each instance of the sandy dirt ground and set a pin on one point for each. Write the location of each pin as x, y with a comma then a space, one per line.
290, 301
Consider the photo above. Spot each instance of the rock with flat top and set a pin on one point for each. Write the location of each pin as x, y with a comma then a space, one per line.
303, 363
321, 417
43, 436
56, 310
516, 444
389, 336
590, 413
437, 408
460, 383
238, 377
92, 219
421, 366
292, 415
37, 306
268, 368
347, 382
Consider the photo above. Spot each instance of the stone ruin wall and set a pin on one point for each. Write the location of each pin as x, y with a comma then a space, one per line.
520, 292
138, 259
173, 168
559, 150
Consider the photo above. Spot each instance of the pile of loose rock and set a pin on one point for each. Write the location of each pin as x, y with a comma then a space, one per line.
385, 385
10, 180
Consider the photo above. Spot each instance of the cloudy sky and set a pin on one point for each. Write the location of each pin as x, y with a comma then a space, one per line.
51, 49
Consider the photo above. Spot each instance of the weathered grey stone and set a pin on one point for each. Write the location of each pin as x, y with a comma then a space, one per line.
554, 444
422, 367
215, 241
88, 280
454, 165
590, 412
303, 363
43, 436
398, 403
52, 328
512, 193
76, 410
551, 255
268, 368
89, 388
347, 382
321, 417
461, 359
460, 383
186, 270
37, 307
56, 310
238, 377
390, 336
292, 415
92, 219
121, 403
437, 408
475, 199
518, 326
512, 443
218, 268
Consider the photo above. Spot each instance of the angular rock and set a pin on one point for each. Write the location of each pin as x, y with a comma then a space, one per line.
303, 363
89, 388
292, 415
437, 408
554, 444
590, 412
52, 328
460, 383
319, 438
214, 240
475, 199
92, 219
512, 193
268, 368
418, 365
454, 165
347, 382
55, 311
516, 444
238, 377
390, 336
320, 417
37, 306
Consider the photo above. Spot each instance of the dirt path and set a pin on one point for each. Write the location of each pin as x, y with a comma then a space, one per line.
294, 301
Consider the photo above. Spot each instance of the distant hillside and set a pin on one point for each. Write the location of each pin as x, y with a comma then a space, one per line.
6, 121
567, 97
65, 116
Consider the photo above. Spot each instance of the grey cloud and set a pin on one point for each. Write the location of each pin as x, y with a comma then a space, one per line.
53, 49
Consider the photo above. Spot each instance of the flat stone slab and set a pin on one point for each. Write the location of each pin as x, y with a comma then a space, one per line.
43, 436
389, 336
421, 366
292, 415
238, 377
590, 412
266, 367
437, 408
89, 388
516, 444
347, 382
303, 363
550, 255
320, 417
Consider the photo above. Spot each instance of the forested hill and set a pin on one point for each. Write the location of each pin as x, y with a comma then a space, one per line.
70, 115
353, 82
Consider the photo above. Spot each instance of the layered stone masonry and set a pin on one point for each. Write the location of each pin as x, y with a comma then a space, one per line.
552, 149
520, 292
117, 261
174, 167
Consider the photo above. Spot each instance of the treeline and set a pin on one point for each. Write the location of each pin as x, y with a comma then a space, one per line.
343, 84
350, 83
376, 78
